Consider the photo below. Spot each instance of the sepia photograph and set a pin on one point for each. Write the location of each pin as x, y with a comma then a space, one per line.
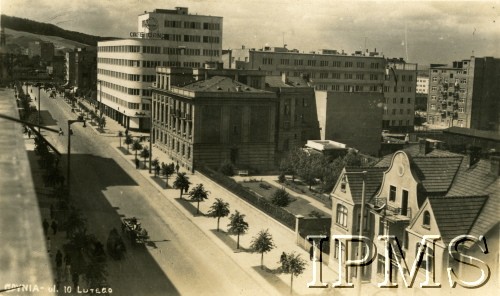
249, 147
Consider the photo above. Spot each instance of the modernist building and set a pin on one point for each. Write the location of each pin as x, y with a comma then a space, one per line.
297, 119
415, 192
465, 94
352, 118
422, 91
126, 68
399, 94
213, 120
333, 71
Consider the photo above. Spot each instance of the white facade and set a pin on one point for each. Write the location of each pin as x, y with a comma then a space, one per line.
127, 68
422, 84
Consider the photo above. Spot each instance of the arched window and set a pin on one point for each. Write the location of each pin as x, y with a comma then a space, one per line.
341, 215
427, 219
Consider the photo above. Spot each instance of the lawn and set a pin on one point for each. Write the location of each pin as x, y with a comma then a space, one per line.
298, 206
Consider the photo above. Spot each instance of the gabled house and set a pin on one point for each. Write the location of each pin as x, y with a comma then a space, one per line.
424, 191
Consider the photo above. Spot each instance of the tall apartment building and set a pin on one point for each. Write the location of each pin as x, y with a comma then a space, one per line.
465, 94
126, 68
81, 67
333, 71
399, 95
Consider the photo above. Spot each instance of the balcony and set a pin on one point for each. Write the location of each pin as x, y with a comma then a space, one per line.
392, 213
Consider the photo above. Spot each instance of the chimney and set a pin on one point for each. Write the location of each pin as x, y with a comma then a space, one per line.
474, 154
495, 165
424, 147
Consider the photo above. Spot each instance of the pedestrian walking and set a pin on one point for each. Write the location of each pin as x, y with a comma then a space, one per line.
59, 260
75, 277
67, 270
54, 227
45, 225
49, 244
177, 167
61, 133
29, 134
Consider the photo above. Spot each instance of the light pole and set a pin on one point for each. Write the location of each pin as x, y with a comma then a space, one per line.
361, 226
70, 122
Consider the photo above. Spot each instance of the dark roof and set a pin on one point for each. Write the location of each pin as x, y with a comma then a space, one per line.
277, 81
478, 180
455, 215
221, 84
490, 135
373, 181
436, 173
414, 151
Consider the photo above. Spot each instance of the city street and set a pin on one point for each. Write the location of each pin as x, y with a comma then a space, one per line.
180, 259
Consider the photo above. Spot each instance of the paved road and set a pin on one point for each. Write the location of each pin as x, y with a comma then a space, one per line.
180, 260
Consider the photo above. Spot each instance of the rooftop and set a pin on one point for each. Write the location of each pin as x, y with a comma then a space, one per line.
221, 84
373, 181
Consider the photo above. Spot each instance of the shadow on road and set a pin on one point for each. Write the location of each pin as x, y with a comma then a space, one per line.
138, 273
273, 279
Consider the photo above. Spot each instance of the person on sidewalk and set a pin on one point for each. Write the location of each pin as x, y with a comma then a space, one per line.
48, 245
67, 269
54, 227
45, 225
61, 133
29, 134
59, 261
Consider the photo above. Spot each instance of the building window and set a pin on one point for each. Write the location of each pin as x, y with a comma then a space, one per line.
426, 221
323, 63
401, 100
267, 61
461, 109
343, 184
409, 101
433, 107
341, 215
392, 193
311, 63
348, 64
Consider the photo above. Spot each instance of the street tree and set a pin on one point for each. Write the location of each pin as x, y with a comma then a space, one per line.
156, 164
145, 155
120, 135
294, 265
219, 209
237, 225
136, 146
181, 182
198, 194
128, 140
262, 243
167, 170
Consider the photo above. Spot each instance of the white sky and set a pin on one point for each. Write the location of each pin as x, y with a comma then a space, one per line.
437, 31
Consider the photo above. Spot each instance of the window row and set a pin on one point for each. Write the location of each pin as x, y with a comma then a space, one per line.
323, 63
348, 88
134, 106
123, 89
190, 25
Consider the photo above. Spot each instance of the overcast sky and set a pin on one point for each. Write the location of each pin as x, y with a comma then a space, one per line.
436, 31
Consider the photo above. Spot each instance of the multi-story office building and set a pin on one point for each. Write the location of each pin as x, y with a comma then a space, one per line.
81, 67
465, 94
422, 91
126, 68
43, 49
399, 95
212, 120
337, 72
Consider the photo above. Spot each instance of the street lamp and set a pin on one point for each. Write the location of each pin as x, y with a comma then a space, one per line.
361, 226
70, 122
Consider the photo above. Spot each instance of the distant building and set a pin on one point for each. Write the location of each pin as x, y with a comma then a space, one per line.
85, 68
399, 94
57, 68
465, 94
212, 120
43, 49
334, 71
352, 118
327, 148
168, 38
297, 119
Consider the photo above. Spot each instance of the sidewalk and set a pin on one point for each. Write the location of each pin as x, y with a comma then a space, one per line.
283, 237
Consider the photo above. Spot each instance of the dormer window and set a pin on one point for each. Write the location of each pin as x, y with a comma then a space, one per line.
343, 184
426, 221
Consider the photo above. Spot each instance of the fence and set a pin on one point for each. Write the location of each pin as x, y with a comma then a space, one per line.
283, 216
